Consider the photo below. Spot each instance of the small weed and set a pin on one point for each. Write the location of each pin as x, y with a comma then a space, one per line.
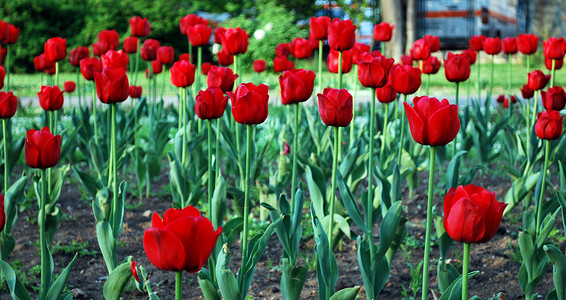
75, 247
416, 281
134, 206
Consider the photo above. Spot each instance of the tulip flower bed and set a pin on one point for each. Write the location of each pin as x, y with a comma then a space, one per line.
226, 195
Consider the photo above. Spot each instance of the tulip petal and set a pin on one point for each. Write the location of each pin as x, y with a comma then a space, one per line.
50, 152
465, 223
443, 126
415, 123
31, 154
163, 249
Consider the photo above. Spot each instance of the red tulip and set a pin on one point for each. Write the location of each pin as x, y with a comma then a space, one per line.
69, 86
341, 34
492, 46
406, 60
182, 73
205, 67
420, 50
431, 65
383, 31
55, 49
185, 56
472, 214
112, 85
225, 58
557, 63
386, 94
13, 34
165, 55
2, 74
527, 43
554, 98
3, 31
89, 66
282, 50
77, 54
300, 48
527, 92
319, 27
537, 80
210, 103
549, 125
190, 20
282, 63
249, 103
2, 214
554, 48
98, 49
332, 61
139, 27
3, 53
130, 44
218, 33
476, 42
406, 79
134, 271
51, 70
108, 40
432, 122
235, 41
156, 67
335, 107
296, 85
41, 62
181, 241
373, 69
509, 45
505, 100
50, 98
8, 105
358, 51
199, 35
457, 67
259, 65
42, 149
221, 77
471, 54
117, 59
135, 91
433, 42
148, 51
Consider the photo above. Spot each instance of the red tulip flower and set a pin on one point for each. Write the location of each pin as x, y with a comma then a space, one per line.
527, 92
41, 62
383, 31
165, 55
221, 77
3, 53
190, 20
77, 54
98, 49
386, 94
218, 33
472, 214
50, 98
509, 45
557, 63
538, 80
282, 50
8, 105
135, 91
51, 70
205, 67
89, 66
130, 44
2, 214
199, 35
117, 59
249, 103
504, 100
431, 65
148, 51
185, 56
296, 85
527, 43
69, 86
332, 61
341, 34
319, 27
259, 65
134, 271
282, 63
335, 107
554, 48
471, 54
492, 46
300, 48
3, 31
112, 85
139, 27
2, 75
549, 125
373, 69
406, 79
156, 67
42, 149
12, 35
181, 241
476, 42
55, 49
182, 73
358, 51
406, 60
108, 40
210, 103
433, 41
554, 98
235, 41
420, 50
457, 67
432, 122
225, 58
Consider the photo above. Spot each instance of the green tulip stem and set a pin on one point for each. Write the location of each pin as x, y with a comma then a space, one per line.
190, 49
340, 87
6, 181
542, 188
553, 72
397, 106
509, 76
42, 241
57, 73
402, 119
244, 242
319, 74
491, 80
199, 66
52, 128
180, 112
210, 176
217, 149
94, 112
295, 151
7, 68
184, 121
79, 87
136, 67
427, 83
385, 131
456, 138
113, 146
534, 114
179, 285
428, 222
370, 166
333, 189
354, 106
465, 268
163, 79
235, 70
478, 78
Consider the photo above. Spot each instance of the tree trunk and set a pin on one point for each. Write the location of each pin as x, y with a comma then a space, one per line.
394, 15
411, 23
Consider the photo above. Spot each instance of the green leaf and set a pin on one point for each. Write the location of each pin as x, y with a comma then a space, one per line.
519, 190
55, 290
349, 202
292, 280
14, 196
89, 183
117, 280
447, 274
326, 267
454, 291
527, 249
219, 203
120, 206
16, 287
388, 228
232, 229
208, 290
226, 279
346, 294
107, 244
558, 261
453, 170
317, 197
